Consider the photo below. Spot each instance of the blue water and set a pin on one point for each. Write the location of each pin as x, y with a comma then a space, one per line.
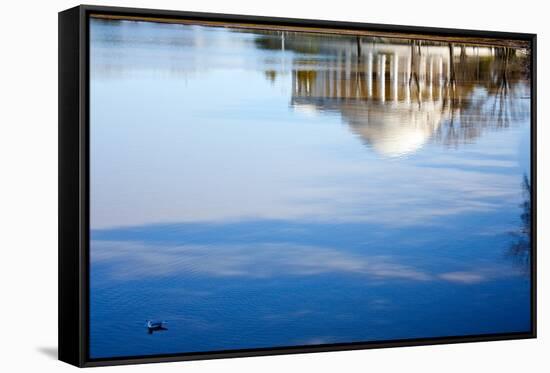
260, 189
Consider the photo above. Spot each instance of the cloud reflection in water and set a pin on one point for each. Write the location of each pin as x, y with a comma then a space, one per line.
135, 260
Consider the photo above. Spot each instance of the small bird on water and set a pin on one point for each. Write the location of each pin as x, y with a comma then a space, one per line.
155, 325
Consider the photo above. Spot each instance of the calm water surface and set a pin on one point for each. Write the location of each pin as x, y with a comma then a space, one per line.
261, 189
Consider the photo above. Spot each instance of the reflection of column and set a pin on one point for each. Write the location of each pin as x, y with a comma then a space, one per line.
333, 68
382, 76
440, 69
440, 82
347, 85
327, 83
339, 76
431, 77
283, 67
421, 76
408, 79
395, 76
369, 74
342, 85
448, 75
422, 68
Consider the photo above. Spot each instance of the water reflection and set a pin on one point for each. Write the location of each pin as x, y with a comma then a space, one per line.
396, 97
261, 189
395, 94
520, 248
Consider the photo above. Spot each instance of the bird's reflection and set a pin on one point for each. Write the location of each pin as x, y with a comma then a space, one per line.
156, 330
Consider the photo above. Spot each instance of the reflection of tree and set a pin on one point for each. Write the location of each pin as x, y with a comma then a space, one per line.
452, 77
520, 248
503, 107
416, 54
450, 93
502, 104
271, 75
431, 92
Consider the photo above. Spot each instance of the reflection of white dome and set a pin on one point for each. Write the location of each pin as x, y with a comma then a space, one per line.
306, 109
394, 130
395, 141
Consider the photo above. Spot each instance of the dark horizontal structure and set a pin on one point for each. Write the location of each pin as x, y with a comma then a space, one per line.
74, 167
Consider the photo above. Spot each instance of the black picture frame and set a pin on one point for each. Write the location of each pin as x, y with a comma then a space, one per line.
74, 181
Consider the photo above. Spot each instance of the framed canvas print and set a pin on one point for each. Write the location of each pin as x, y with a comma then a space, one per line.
238, 186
